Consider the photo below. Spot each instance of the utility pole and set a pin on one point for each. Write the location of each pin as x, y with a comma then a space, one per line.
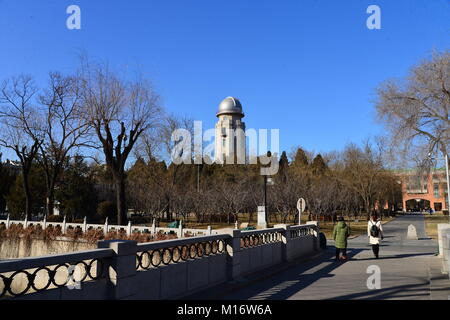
448, 184
198, 178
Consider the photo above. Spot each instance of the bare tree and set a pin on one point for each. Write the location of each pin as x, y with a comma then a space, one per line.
21, 127
169, 124
416, 111
361, 172
119, 111
64, 130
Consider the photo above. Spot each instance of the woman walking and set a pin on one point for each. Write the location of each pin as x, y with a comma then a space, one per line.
375, 234
340, 234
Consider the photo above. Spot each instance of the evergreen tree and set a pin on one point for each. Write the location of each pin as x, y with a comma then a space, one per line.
16, 196
283, 166
300, 160
318, 165
76, 191
7, 178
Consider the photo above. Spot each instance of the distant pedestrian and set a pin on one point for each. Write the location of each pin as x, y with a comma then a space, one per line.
375, 234
340, 234
431, 211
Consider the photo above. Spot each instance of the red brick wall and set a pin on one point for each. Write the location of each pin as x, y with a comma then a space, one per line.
429, 196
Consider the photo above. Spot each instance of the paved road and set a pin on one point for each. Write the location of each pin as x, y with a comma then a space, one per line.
405, 270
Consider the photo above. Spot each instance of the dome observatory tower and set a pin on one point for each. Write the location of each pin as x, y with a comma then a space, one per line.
230, 132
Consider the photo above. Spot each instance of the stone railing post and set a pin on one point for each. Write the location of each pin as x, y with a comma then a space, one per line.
44, 224
85, 225
105, 228
209, 230
129, 228
7, 221
180, 230
445, 250
25, 224
154, 227
286, 236
121, 268
442, 227
64, 225
316, 234
233, 256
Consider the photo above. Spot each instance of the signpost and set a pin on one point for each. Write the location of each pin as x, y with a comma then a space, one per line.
301, 206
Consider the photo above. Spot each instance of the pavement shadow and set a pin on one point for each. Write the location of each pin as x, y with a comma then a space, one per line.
291, 281
398, 292
397, 256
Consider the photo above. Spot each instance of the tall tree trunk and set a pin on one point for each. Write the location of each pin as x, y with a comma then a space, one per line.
28, 195
50, 204
121, 199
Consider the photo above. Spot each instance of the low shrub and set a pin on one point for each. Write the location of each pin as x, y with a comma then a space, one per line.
55, 219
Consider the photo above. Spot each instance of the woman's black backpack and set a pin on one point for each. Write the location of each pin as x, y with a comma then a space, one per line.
374, 230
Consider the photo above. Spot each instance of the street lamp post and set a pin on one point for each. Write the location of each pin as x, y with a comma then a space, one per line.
448, 182
267, 181
265, 197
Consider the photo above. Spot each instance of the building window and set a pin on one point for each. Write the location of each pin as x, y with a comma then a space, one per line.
436, 190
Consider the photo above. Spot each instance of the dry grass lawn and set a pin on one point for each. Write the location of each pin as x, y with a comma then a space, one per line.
357, 228
432, 221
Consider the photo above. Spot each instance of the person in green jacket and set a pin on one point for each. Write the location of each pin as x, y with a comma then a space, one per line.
341, 232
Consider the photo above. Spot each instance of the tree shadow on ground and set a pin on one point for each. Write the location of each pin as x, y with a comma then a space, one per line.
397, 256
397, 292
292, 280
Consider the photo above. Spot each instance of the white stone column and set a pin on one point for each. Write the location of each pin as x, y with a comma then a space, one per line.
180, 230
233, 256
446, 251
121, 268
154, 227
286, 236
7, 222
85, 225
129, 228
316, 234
105, 228
64, 225
442, 227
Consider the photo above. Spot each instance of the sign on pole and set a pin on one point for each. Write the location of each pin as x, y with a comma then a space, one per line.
301, 206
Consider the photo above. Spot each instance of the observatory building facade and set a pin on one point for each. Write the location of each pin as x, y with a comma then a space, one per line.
230, 132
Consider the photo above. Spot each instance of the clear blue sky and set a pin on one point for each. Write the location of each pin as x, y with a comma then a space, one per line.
307, 67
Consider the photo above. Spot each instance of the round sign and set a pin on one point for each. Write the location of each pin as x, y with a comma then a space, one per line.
301, 204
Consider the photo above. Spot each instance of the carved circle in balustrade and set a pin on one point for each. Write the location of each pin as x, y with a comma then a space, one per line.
21, 281
168, 255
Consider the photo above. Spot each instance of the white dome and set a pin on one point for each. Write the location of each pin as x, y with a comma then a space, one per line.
230, 105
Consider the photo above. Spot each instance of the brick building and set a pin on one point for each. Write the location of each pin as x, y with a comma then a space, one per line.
424, 191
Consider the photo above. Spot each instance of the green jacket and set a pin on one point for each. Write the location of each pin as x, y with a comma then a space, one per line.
340, 234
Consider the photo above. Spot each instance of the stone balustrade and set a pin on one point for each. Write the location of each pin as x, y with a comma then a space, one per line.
181, 232
168, 269
444, 246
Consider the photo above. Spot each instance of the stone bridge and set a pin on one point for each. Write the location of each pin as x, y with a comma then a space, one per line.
156, 270
409, 269
281, 263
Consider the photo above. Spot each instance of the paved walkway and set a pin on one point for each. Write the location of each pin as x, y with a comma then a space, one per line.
405, 271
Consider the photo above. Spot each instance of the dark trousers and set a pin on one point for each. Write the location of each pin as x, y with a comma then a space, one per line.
376, 249
339, 250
